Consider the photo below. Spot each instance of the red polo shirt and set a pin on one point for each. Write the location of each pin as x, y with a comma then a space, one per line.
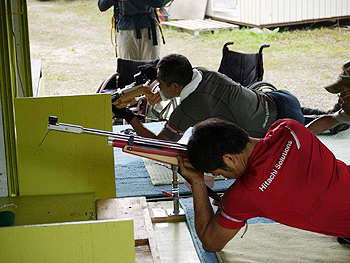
294, 179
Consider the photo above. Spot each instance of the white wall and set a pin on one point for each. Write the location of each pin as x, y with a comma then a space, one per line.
267, 12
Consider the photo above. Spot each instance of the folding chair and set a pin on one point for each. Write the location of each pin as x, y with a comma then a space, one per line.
243, 68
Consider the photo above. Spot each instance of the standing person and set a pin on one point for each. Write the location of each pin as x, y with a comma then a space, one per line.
342, 116
139, 34
205, 94
288, 176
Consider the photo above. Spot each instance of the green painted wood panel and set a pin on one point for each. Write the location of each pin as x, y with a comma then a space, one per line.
45, 209
65, 163
101, 241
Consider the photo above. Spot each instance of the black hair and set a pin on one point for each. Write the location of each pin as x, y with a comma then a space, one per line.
211, 140
175, 68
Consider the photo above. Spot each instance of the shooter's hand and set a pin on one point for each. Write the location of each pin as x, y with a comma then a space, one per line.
123, 113
153, 98
191, 174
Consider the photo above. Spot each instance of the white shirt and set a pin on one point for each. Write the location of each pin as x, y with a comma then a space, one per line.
192, 86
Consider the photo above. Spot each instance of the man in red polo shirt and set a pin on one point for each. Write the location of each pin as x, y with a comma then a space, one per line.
288, 176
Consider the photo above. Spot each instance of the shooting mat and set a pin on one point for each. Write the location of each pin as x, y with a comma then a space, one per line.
268, 241
275, 243
339, 144
161, 174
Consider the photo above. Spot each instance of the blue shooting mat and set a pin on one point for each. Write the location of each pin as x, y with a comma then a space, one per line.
132, 178
204, 256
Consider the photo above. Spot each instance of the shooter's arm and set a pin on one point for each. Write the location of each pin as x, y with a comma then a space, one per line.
141, 130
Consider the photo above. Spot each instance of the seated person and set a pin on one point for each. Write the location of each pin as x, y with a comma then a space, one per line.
341, 86
204, 94
288, 176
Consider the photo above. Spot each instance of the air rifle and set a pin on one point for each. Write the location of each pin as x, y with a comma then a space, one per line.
159, 150
127, 95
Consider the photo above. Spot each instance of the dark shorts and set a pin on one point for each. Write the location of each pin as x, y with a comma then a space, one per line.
288, 106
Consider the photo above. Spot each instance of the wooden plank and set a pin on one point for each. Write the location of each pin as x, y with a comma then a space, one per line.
149, 226
197, 25
179, 25
134, 208
221, 24
143, 254
124, 208
160, 215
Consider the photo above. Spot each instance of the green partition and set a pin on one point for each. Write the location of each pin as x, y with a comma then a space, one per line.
65, 163
81, 242
44, 209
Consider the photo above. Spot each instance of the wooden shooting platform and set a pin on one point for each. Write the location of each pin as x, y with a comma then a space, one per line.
198, 25
134, 208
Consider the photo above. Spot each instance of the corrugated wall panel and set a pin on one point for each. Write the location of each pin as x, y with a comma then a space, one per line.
317, 9
275, 10
338, 8
256, 11
263, 15
250, 11
266, 12
328, 8
345, 7
322, 8
334, 8
298, 10
280, 13
288, 10
309, 9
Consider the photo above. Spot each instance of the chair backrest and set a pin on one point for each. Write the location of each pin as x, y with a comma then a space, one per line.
245, 69
109, 85
126, 69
